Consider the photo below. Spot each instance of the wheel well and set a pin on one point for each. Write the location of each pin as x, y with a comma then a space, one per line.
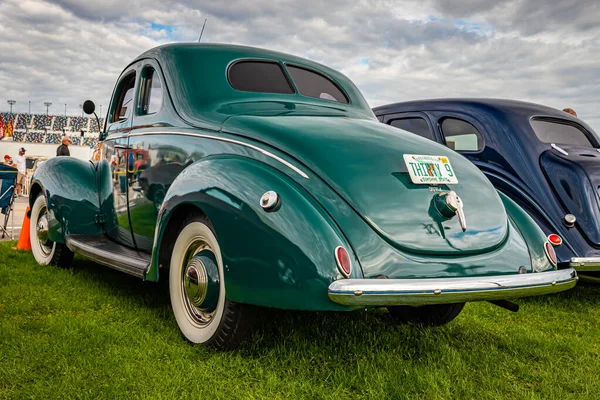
34, 191
174, 225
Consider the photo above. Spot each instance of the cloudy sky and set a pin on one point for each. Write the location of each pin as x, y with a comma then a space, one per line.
66, 51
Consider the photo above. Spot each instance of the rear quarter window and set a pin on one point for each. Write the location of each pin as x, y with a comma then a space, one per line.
259, 76
461, 135
560, 133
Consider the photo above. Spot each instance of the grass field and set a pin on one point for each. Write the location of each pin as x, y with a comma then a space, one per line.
90, 332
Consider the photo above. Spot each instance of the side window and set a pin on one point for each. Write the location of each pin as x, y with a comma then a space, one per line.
461, 135
151, 92
124, 96
414, 125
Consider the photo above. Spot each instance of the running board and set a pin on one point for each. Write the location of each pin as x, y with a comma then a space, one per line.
102, 250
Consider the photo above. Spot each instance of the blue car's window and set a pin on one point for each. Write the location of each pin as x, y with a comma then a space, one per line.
555, 132
313, 84
414, 125
461, 135
259, 76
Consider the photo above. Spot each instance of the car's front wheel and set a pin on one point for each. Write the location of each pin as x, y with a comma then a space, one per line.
197, 289
433, 315
44, 250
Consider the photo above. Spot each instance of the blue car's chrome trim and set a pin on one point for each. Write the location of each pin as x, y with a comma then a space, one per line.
585, 263
416, 292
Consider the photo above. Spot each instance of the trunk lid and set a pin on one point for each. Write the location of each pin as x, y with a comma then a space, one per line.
362, 160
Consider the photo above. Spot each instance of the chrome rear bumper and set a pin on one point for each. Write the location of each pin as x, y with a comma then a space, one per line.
393, 292
585, 263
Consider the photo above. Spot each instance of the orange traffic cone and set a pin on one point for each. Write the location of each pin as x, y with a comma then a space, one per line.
24, 242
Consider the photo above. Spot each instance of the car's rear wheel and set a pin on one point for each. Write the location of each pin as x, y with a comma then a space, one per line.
197, 289
433, 315
44, 250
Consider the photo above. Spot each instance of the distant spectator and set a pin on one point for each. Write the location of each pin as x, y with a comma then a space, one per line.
8, 161
63, 149
21, 165
570, 111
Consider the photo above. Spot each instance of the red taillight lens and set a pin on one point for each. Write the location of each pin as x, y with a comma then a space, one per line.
342, 259
555, 239
550, 253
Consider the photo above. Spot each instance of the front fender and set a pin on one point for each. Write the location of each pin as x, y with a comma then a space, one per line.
69, 185
530, 231
283, 258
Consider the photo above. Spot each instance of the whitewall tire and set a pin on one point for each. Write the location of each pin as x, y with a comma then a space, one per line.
197, 289
44, 250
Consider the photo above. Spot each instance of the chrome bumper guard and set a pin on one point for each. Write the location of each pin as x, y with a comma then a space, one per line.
416, 292
585, 263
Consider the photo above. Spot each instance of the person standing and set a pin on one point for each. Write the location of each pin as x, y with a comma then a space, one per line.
21, 164
63, 149
570, 111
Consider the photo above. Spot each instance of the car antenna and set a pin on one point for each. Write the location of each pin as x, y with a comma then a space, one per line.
202, 31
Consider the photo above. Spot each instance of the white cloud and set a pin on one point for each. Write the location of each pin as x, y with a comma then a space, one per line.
65, 51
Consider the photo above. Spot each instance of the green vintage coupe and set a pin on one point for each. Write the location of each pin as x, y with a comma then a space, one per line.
253, 178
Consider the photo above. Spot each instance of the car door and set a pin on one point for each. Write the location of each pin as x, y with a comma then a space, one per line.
117, 153
157, 160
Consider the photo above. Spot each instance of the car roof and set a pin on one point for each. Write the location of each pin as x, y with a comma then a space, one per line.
196, 75
475, 105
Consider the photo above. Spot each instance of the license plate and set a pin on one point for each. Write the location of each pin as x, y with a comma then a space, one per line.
429, 170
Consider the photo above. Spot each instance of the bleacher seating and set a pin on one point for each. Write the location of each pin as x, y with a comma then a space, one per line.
94, 125
41, 121
7, 117
48, 129
23, 120
60, 122
78, 123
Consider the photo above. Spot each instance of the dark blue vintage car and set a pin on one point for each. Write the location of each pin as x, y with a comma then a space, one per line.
544, 159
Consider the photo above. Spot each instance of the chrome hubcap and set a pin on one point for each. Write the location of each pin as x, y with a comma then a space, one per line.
195, 282
200, 283
41, 228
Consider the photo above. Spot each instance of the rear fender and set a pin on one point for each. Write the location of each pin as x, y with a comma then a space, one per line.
70, 187
530, 231
282, 258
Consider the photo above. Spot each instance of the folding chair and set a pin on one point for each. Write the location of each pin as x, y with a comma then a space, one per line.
8, 179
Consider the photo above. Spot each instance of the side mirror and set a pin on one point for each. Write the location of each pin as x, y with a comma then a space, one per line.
89, 107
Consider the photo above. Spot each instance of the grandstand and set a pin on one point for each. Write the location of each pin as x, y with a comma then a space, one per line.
48, 129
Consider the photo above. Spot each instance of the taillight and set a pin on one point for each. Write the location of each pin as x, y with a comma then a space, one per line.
550, 253
555, 239
342, 259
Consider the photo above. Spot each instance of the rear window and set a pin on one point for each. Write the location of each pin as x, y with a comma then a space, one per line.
555, 132
259, 76
414, 125
312, 84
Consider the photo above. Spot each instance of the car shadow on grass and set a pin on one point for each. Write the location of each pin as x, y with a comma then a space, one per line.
363, 331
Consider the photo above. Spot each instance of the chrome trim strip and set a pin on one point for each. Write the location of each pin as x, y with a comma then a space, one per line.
585, 263
559, 149
222, 139
392, 292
